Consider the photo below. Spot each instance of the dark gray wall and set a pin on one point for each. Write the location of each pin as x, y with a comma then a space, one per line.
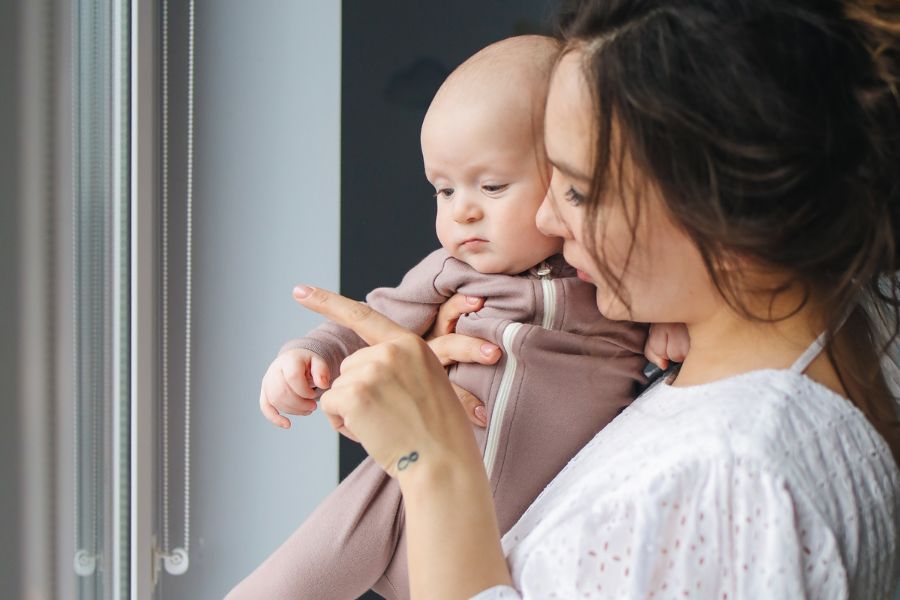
10, 542
395, 56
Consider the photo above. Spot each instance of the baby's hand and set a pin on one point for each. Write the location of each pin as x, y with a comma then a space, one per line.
288, 385
667, 342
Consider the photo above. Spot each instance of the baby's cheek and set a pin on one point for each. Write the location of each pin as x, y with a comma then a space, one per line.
533, 240
442, 230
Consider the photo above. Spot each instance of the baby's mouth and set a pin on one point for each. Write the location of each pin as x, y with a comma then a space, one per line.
472, 243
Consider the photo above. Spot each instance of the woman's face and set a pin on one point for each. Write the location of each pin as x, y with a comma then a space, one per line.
665, 279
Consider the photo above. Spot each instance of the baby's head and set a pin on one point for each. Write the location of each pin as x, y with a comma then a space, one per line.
482, 141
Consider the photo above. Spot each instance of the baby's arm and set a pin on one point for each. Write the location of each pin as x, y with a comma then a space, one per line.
667, 342
302, 365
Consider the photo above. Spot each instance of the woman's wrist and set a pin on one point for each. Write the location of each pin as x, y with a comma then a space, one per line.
429, 470
452, 532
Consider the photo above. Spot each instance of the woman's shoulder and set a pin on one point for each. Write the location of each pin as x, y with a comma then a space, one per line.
734, 461
770, 404
780, 422
776, 425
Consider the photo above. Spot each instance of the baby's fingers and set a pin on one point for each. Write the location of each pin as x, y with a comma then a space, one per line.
296, 376
280, 395
271, 413
321, 375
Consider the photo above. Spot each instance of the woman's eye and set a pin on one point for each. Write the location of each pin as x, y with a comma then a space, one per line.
493, 189
443, 193
574, 197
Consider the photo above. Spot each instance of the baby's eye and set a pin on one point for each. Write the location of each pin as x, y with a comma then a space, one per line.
443, 193
494, 188
574, 197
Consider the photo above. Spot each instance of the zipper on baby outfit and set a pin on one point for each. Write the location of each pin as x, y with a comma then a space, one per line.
503, 393
544, 272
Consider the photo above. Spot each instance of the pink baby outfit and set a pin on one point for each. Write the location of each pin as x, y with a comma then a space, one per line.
566, 371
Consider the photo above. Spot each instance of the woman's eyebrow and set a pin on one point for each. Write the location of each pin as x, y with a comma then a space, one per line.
570, 171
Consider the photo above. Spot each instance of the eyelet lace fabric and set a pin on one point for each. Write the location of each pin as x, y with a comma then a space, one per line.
763, 485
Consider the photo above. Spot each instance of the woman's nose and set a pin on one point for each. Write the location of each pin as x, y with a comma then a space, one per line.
547, 220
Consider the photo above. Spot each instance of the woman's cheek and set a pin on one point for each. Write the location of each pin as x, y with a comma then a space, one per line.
618, 249
610, 306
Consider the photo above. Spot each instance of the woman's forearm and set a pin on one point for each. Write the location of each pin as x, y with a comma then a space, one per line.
451, 530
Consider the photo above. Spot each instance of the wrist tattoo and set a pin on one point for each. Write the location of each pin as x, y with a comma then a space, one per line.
406, 460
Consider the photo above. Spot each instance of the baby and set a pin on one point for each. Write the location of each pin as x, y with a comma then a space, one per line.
565, 371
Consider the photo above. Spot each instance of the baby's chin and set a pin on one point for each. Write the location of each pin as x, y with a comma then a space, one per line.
486, 265
491, 263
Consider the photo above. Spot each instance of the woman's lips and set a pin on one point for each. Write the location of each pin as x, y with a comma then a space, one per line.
583, 276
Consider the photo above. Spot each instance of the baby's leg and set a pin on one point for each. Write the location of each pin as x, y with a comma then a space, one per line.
341, 550
394, 585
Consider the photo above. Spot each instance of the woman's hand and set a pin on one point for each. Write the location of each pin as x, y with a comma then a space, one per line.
393, 396
451, 347
667, 342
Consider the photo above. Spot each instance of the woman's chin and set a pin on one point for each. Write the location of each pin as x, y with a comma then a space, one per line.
611, 307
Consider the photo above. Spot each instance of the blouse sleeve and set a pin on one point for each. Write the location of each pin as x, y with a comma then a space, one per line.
727, 530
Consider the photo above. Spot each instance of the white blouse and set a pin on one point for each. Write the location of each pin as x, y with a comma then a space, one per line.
763, 485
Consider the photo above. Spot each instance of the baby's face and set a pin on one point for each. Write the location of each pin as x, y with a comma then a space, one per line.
489, 181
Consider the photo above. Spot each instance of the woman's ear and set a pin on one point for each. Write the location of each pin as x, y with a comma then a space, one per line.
733, 263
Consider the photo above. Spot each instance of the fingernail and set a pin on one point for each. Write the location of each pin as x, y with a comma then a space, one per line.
488, 349
473, 300
481, 414
302, 291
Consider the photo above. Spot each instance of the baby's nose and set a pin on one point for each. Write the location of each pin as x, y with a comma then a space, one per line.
466, 212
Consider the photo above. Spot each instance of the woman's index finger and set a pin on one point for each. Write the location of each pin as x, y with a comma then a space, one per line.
369, 324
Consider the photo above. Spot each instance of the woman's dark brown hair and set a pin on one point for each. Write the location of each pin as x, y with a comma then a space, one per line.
771, 128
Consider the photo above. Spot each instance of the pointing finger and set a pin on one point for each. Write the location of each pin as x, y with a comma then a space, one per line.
369, 324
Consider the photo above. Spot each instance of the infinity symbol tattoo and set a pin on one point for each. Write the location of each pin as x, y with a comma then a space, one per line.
405, 460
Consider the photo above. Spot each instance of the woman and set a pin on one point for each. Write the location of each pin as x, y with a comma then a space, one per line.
728, 165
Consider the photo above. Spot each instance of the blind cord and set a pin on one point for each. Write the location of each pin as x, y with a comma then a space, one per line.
176, 561
165, 277
85, 558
